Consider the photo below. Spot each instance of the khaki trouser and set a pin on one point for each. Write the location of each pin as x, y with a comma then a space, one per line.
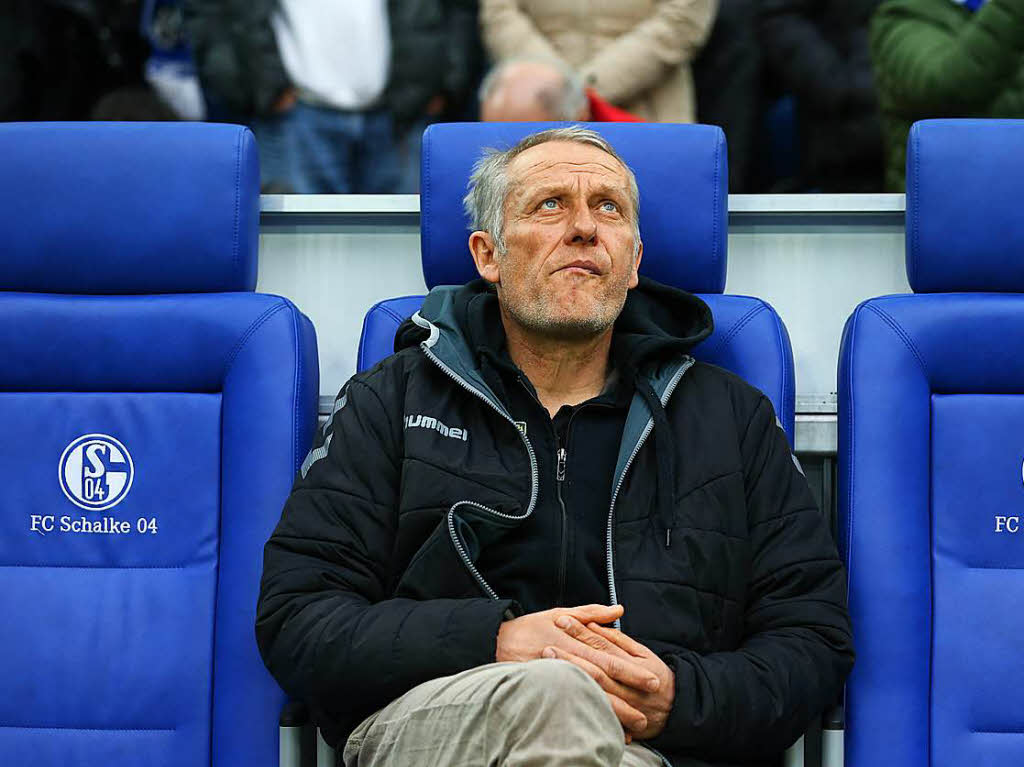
537, 714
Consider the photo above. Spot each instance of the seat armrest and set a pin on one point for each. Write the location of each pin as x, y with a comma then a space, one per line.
296, 747
833, 726
325, 755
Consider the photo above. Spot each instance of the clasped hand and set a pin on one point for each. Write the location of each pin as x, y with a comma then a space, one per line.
638, 684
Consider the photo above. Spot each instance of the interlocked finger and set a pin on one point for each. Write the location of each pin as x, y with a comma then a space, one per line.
621, 640
632, 718
577, 630
614, 662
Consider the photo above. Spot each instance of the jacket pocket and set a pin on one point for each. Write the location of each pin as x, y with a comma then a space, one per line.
436, 571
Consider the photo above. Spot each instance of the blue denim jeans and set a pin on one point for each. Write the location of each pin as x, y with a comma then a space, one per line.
316, 150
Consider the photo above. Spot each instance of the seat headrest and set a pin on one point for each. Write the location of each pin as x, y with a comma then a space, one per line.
681, 170
965, 227
109, 208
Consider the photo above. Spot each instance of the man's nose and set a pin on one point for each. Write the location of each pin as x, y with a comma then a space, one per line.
582, 226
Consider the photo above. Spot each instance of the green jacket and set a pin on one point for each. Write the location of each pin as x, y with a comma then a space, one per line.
933, 58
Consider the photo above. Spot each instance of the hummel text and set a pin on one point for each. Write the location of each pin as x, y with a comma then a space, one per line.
427, 422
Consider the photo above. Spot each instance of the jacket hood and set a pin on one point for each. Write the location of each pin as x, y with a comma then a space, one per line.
657, 322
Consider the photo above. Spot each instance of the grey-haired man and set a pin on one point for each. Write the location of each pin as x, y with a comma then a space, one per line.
618, 564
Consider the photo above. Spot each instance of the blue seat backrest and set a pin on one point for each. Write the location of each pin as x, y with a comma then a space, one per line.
683, 178
931, 398
155, 411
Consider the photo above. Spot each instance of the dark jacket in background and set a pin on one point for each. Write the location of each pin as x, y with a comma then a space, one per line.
818, 51
434, 50
59, 57
376, 578
236, 55
936, 59
727, 76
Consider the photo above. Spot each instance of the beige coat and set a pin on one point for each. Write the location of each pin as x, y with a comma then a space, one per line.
634, 53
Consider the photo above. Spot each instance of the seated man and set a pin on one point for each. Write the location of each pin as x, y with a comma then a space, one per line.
540, 533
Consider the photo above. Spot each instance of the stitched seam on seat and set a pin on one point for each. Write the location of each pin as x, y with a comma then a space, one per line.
238, 194
426, 231
98, 567
391, 313
86, 729
296, 393
740, 324
915, 224
994, 567
257, 323
898, 330
716, 255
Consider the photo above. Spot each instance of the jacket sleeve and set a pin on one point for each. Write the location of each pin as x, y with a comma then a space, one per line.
807, 63
509, 32
927, 70
797, 647
325, 625
639, 59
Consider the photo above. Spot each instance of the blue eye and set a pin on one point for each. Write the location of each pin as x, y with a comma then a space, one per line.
552, 206
610, 206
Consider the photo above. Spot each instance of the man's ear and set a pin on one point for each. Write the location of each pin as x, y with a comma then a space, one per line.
481, 245
634, 278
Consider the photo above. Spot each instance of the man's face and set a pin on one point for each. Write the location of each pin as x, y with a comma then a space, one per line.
569, 239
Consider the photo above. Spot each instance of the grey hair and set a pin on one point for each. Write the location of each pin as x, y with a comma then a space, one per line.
489, 183
565, 101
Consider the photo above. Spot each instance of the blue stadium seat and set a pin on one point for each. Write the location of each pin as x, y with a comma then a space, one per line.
155, 411
931, 418
683, 179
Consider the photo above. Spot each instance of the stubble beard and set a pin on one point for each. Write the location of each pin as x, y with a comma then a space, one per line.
537, 315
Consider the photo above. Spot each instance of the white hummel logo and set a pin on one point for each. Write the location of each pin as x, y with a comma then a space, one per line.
426, 422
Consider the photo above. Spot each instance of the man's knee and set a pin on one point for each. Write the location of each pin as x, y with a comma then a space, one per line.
549, 683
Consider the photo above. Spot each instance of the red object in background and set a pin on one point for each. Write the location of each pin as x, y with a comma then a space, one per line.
603, 112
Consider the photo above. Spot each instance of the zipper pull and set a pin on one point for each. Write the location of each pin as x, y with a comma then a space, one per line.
560, 471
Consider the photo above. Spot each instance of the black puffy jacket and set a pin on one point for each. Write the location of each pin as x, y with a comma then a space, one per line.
725, 567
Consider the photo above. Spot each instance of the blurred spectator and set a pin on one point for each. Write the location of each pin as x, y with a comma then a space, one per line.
942, 58
727, 73
308, 76
436, 62
236, 54
818, 50
170, 69
522, 90
58, 57
634, 53
337, 93
133, 104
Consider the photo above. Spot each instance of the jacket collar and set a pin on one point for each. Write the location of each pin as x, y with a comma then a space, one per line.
657, 328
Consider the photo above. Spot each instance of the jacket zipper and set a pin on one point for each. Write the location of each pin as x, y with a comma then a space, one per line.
534, 480
563, 560
609, 547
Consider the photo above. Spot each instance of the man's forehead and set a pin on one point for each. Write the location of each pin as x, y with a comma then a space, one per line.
554, 160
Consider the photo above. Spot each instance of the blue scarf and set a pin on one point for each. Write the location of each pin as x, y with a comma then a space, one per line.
971, 5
